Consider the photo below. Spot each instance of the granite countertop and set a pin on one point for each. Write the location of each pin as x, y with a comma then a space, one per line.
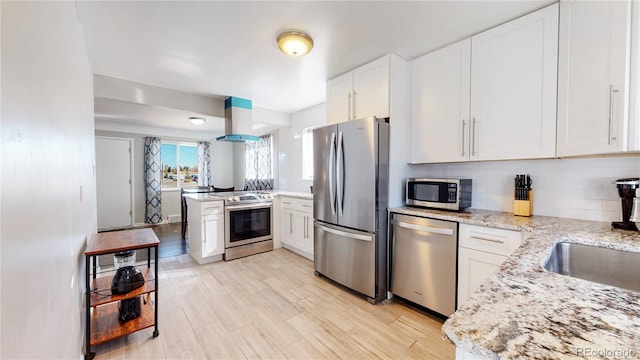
297, 195
524, 311
213, 196
203, 197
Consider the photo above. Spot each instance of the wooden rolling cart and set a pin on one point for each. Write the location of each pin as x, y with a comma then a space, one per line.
102, 324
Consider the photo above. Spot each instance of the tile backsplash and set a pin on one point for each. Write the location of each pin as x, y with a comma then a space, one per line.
581, 188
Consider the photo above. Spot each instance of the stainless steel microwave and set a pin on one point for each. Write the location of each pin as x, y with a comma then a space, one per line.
447, 194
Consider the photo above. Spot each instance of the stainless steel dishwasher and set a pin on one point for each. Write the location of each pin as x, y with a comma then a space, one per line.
423, 261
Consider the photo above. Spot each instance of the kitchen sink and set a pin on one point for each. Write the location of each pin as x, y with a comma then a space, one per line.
602, 265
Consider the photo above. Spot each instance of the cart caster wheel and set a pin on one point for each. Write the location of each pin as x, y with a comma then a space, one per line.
316, 273
156, 333
90, 356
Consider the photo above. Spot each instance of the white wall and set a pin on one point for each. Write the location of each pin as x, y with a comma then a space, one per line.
578, 188
221, 172
221, 163
48, 185
290, 148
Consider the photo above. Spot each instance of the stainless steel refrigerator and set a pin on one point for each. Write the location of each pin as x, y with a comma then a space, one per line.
350, 199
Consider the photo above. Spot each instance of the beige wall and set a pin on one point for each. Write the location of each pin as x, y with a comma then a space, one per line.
48, 203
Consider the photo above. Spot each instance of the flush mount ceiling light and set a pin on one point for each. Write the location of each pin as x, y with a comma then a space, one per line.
295, 43
196, 120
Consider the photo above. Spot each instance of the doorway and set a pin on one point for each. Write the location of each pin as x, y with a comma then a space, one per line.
114, 182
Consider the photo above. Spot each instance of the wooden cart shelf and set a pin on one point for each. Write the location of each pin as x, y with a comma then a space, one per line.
106, 325
102, 313
101, 289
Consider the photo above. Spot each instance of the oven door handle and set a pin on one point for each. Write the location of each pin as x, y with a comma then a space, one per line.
249, 206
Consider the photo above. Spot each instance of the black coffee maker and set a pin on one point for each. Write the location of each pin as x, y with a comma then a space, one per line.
627, 191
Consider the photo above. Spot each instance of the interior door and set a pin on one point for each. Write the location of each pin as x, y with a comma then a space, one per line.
356, 172
113, 182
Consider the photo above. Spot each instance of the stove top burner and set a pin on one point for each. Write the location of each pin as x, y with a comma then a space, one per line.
240, 197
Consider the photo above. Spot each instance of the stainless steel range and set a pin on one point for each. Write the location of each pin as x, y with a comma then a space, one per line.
248, 223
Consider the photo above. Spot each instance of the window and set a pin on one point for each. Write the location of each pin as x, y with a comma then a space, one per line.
258, 165
307, 153
179, 165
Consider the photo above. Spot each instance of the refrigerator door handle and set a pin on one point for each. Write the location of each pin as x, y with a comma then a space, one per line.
332, 162
345, 234
340, 174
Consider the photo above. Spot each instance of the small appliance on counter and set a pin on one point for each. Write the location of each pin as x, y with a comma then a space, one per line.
446, 194
635, 211
627, 191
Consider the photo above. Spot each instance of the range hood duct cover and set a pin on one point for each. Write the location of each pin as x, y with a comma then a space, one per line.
238, 120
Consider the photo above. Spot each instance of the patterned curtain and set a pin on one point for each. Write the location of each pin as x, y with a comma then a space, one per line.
152, 180
204, 164
258, 174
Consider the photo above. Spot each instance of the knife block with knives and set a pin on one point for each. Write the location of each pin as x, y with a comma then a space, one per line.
523, 196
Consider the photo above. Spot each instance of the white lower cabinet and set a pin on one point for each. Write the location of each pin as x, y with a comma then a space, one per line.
481, 251
296, 226
206, 230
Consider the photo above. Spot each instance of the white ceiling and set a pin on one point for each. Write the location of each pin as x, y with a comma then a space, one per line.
228, 48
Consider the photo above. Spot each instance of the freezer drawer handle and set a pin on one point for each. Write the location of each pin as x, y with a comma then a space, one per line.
422, 228
345, 234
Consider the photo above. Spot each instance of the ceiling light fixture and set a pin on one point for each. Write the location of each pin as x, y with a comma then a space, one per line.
197, 120
295, 43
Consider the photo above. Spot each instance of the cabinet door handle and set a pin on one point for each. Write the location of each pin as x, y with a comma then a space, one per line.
487, 239
354, 104
464, 125
473, 138
290, 223
612, 92
204, 230
349, 105
306, 228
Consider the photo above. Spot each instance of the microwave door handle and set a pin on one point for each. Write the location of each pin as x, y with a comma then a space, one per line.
332, 163
340, 174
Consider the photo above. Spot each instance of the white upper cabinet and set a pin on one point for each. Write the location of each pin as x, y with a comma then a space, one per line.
339, 102
371, 89
593, 84
360, 93
440, 84
513, 88
490, 97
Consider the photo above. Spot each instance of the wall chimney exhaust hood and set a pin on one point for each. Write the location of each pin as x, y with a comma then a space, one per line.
238, 120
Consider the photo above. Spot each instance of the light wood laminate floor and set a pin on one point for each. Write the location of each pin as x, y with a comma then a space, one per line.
272, 306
